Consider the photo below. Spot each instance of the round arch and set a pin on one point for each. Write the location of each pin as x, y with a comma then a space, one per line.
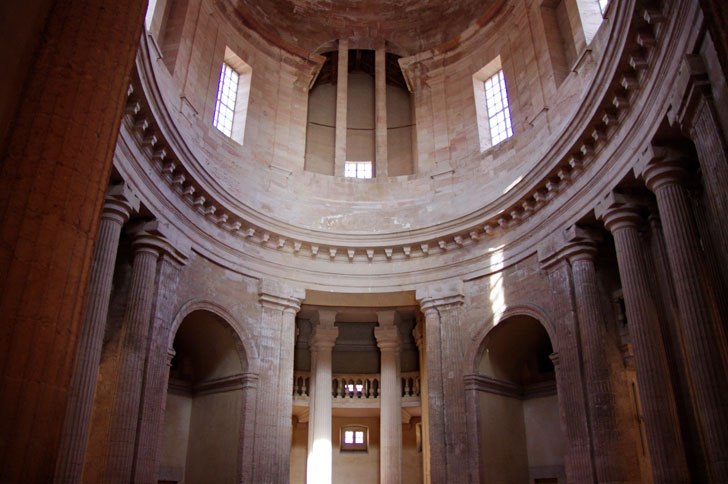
476, 349
243, 340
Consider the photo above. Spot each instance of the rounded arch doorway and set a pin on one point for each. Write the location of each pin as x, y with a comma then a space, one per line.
519, 427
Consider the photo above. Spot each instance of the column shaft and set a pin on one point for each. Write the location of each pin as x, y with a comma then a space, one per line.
579, 463
52, 182
380, 96
86, 366
704, 339
132, 356
390, 404
275, 395
156, 375
435, 421
445, 382
609, 463
320, 464
661, 421
342, 92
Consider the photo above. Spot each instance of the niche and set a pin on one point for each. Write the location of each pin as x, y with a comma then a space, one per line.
204, 407
518, 411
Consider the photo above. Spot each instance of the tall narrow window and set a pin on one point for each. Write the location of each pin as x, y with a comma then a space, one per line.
499, 115
603, 5
492, 111
227, 93
233, 92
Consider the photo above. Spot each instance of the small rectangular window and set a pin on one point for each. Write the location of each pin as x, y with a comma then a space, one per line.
358, 169
354, 437
227, 92
499, 114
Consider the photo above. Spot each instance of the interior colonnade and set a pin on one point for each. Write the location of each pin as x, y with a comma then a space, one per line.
186, 305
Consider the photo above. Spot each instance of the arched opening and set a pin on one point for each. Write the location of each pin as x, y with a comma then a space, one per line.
205, 401
518, 413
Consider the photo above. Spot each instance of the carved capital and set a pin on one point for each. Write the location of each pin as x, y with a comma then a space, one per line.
120, 203
691, 89
324, 337
388, 338
619, 211
572, 243
281, 297
661, 166
444, 296
151, 236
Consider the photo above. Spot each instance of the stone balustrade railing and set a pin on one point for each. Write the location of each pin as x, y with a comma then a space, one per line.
356, 386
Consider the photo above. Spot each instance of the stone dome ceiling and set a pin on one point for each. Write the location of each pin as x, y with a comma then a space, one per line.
411, 25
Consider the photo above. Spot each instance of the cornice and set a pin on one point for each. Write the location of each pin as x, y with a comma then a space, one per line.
454, 246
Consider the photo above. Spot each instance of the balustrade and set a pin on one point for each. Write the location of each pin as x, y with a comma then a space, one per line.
350, 386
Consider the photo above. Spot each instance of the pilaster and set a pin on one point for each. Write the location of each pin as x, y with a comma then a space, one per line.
380, 101
342, 83
578, 458
579, 247
704, 338
445, 381
279, 304
148, 245
156, 371
621, 216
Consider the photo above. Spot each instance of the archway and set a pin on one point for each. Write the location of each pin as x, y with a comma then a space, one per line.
205, 403
519, 428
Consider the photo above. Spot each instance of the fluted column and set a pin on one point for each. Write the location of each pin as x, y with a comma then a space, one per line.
579, 246
319, 466
342, 83
380, 101
667, 456
578, 458
54, 169
147, 245
695, 111
119, 204
703, 335
390, 400
445, 382
279, 304
247, 432
150, 425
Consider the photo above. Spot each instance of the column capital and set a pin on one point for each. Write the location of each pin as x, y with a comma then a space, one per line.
572, 243
323, 337
388, 338
387, 318
691, 88
150, 236
119, 203
446, 295
326, 317
279, 296
660, 166
619, 211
